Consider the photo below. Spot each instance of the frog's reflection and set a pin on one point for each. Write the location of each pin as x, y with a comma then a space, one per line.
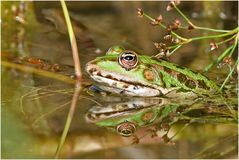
127, 116
131, 116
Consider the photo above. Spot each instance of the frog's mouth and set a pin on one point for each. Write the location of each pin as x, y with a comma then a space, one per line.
121, 84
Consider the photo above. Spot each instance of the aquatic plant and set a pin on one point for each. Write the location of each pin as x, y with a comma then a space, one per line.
177, 41
78, 74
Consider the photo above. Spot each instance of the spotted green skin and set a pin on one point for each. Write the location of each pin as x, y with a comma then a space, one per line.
145, 115
164, 73
137, 116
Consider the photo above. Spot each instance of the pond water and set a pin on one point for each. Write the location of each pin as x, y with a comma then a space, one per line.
35, 106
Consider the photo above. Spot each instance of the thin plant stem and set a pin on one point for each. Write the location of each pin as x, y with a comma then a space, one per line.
68, 121
187, 40
226, 40
214, 144
72, 40
232, 111
49, 92
185, 126
218, 59
22, 98
150, 18
229, 75
48, 113
233, 49
163, 26
176, 47
174, 50
205, 37
183, 15
234, 31
197, 27
211, 29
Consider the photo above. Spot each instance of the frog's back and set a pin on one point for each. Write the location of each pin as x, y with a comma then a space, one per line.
174, 75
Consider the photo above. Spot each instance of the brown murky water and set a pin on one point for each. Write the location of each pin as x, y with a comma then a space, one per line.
35, 107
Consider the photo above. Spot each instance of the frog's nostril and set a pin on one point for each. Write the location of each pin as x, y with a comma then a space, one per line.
92, 70
99, 74
109, 77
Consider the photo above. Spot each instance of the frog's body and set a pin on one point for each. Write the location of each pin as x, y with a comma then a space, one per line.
124, 72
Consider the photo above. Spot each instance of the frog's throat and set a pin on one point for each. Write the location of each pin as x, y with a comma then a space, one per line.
125, 84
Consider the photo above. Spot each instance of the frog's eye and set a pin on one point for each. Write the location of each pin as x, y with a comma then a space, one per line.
128, 59
126, 128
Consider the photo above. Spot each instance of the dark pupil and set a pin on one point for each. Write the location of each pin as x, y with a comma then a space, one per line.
128, 58
126, 131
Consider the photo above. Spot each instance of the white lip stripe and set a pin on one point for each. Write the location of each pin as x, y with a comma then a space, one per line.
130, 90
117, 86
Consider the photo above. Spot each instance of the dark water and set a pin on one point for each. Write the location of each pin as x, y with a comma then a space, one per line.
35, 107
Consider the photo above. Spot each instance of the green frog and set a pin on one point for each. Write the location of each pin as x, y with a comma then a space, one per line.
125, 72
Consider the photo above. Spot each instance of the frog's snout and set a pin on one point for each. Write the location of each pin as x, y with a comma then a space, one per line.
91, 69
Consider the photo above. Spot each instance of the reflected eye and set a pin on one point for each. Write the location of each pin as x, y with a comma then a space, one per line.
128, 60
126, 129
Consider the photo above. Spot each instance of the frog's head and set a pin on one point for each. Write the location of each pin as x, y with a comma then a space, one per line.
125, 72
